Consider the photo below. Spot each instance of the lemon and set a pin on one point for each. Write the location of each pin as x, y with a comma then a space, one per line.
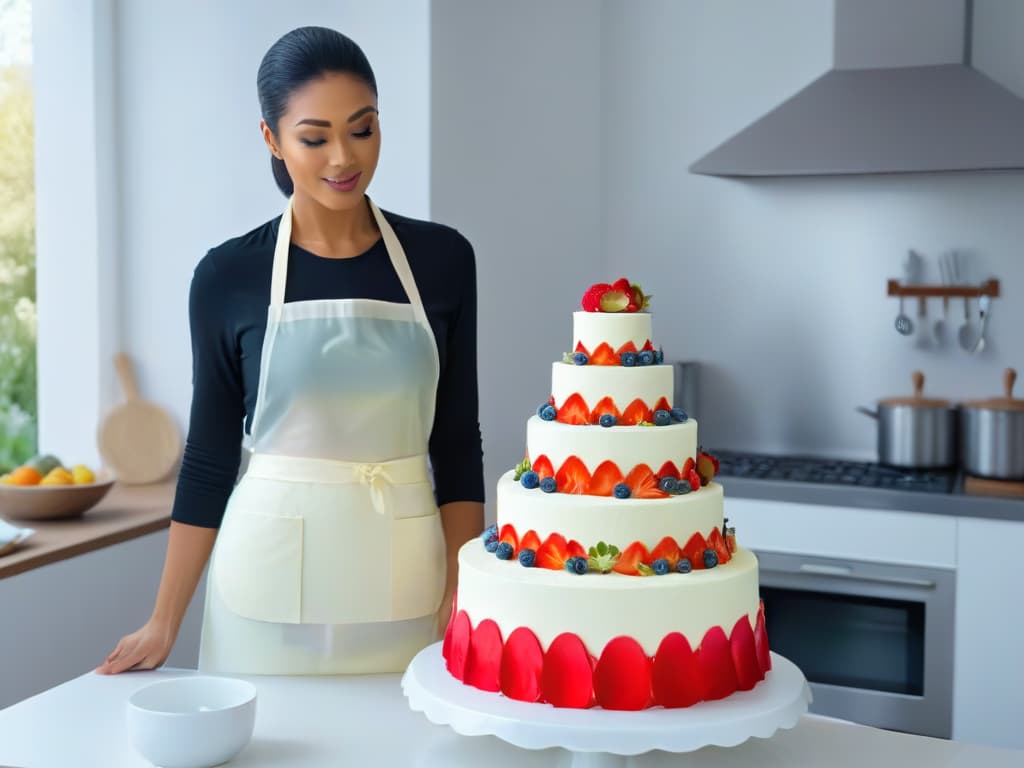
57, 476
82, 475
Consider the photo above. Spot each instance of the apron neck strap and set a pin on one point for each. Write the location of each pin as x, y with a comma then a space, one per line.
394, 248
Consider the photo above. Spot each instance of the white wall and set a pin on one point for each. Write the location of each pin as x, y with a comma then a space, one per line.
516, 166
778, 286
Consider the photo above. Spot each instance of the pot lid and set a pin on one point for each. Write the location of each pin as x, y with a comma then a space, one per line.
1005, 403
918, 400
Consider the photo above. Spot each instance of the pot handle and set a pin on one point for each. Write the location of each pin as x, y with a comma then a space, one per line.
867, 412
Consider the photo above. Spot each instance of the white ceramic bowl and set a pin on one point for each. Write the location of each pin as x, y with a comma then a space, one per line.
192, 722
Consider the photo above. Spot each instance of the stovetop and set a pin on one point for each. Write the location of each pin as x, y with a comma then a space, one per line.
833, 472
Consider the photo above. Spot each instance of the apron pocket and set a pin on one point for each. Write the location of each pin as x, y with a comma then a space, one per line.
258, 567
418, 568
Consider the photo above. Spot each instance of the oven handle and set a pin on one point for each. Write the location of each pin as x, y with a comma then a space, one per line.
842, 572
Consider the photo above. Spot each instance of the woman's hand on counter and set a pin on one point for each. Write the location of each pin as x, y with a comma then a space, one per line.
146, 648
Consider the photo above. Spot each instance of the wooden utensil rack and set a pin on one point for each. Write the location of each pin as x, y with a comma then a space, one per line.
989, 287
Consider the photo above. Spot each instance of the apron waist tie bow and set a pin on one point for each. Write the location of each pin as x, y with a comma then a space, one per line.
377, 478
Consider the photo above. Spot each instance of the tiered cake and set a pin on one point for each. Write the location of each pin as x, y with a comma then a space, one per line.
610, 578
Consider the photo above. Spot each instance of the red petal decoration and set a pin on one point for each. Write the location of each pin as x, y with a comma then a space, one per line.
694, 550
508, 533
744, 655
574, 410
622, 677
662, 405
643, 484
675, 674
447, 643
636, 412
573, 476
542, 466
458, 650
530, 541
605, 406
483, 666
668, 469
717, 543
764, 659
604, 355
553, 553
521, 666
667, 548
606, 477
567, 678
716, 669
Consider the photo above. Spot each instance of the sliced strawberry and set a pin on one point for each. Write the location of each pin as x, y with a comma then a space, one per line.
629, 346
693, 550
575, 549
675, 676
632, 307
530, 540
636, 412
574, 410
542, 466
553, 553
622, 284
635, 554
508, 533
687, 466
668, 469
573, 476
591, 301
717, 543
581, 348
605, 406
615, 300
694, 479
604, 355
662, 405
606, 477
667, 548
649, 347
643, 484
705, 468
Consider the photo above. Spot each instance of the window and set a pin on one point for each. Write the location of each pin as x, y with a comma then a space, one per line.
18, 412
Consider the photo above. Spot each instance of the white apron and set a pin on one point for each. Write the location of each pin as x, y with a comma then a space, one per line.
331, 556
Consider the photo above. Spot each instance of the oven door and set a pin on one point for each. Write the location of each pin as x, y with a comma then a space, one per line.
875, 641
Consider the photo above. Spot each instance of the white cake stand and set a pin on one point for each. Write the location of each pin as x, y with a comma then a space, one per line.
600, 738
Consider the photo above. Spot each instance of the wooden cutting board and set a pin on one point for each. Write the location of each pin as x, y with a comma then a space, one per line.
138, 440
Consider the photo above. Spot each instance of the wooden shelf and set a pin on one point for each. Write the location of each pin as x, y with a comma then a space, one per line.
990, 288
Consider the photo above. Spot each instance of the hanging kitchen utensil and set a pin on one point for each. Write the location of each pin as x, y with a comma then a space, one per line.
939, 328
138, 439
904, 324
984, 302
967, 336
993, 434
923, 339
915, 432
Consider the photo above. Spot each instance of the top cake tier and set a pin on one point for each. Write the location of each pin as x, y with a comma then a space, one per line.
603, 337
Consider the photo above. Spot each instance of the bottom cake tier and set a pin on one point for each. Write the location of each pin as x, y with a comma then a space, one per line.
608, 640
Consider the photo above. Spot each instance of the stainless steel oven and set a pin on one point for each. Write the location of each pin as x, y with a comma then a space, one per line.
875, 641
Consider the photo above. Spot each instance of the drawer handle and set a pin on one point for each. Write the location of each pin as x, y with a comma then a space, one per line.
845, 572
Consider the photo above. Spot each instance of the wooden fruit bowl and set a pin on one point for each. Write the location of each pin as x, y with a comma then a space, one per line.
50, 502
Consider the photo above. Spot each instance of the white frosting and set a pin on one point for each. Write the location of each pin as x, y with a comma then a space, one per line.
626, 446
590, 519
612, 328
623, 385
600, 607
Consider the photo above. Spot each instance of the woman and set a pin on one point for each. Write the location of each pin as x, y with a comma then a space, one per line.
345, 342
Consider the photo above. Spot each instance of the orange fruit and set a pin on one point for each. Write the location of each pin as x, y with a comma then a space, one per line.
25, 476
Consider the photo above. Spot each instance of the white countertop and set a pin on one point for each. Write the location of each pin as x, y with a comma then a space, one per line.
331, 721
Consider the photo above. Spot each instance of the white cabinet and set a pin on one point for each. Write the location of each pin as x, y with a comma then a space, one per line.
988, 682
60, 620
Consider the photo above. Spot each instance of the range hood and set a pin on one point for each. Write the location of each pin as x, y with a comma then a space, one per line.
902, 97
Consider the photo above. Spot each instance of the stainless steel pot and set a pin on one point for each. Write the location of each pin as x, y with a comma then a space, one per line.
993, 435
915, 432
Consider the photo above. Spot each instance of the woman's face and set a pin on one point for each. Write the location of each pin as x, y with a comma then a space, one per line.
329, 139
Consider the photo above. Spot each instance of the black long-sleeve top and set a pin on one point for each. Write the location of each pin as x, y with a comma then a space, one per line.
228, 303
